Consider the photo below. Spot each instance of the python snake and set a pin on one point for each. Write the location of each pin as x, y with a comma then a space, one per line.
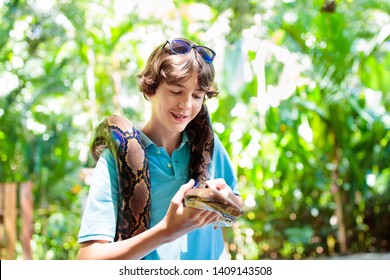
124, 141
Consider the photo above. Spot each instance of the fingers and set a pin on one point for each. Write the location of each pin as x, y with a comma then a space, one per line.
184, 188
178, 198
204, 217
218, 184
212, 218
196, 217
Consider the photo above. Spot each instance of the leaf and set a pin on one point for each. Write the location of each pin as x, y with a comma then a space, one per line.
301, 235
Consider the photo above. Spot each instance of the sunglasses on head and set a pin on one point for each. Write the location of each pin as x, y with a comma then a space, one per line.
179, 46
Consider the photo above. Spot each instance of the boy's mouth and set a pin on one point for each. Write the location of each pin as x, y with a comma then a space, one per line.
179, 116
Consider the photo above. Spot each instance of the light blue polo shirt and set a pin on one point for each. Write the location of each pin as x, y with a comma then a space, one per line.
167, 174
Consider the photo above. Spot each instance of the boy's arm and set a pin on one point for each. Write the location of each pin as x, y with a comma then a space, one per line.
178, 221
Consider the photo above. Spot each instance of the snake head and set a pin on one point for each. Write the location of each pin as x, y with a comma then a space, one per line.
213, 200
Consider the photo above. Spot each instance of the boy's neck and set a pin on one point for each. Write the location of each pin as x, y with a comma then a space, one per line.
168, 141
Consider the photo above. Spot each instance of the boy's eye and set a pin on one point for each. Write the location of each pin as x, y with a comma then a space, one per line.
175, 92
198, 96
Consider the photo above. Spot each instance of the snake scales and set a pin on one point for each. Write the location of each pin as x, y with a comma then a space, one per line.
124, 141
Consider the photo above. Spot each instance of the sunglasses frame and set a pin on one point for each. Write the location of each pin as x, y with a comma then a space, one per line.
199, 49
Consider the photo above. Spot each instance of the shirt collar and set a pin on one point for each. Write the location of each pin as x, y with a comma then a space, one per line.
184, 139
147, 142
145, 139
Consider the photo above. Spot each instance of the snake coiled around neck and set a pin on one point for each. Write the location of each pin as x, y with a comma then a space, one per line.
124, 141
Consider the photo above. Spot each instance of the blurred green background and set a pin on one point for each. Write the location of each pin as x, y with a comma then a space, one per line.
303, 112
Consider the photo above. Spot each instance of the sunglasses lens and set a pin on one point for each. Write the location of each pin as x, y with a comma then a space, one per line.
183, 47
206, 54
180, 47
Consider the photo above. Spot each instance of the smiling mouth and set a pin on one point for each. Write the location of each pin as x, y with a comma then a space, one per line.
179, 116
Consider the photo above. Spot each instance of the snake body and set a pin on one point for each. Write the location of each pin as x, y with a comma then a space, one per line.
124, 141
213, 200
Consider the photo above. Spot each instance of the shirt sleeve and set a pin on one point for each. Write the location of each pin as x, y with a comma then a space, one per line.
222, 166
100, 213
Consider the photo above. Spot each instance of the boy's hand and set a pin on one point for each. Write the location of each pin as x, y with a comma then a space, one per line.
220, 185
180, 220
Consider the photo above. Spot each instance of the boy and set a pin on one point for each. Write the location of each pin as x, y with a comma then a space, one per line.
176, 80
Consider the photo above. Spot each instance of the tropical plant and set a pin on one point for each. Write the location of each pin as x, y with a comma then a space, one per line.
303, 112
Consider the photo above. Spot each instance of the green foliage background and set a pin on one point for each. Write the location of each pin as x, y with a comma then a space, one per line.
303, 111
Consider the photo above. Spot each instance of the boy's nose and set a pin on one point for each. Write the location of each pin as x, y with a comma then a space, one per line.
185, 102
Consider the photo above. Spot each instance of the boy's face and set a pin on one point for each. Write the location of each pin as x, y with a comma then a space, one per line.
175, 105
